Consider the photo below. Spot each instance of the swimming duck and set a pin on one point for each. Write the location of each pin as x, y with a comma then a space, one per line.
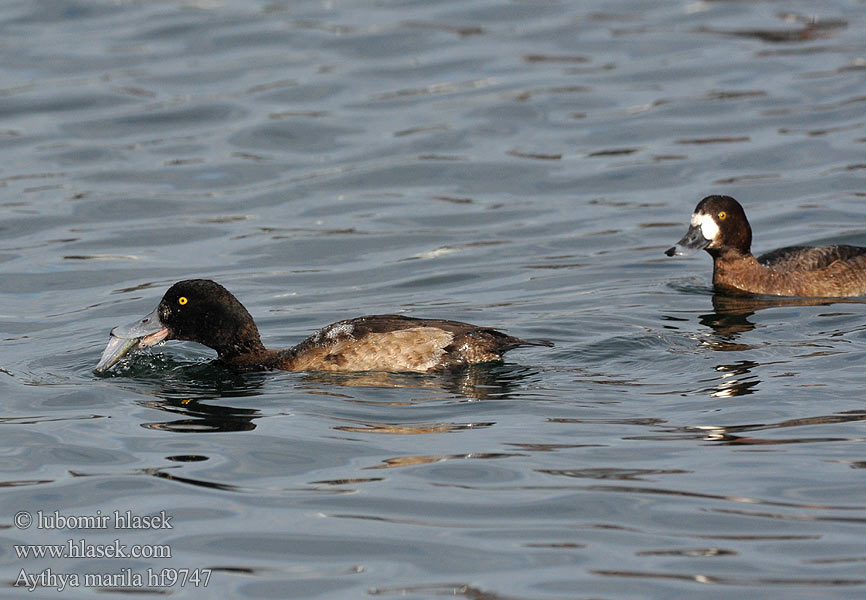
203, 311
719, 226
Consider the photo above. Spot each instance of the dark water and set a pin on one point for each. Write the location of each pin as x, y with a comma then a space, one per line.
518, 164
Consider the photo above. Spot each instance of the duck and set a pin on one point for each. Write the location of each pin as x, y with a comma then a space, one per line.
203, 311
719, 226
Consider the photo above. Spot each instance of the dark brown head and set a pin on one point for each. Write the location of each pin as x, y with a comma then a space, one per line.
718, 225
203, 311
197, 310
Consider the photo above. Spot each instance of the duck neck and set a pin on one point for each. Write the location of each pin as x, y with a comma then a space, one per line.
259, 359
733, 270
249, 344
729, 254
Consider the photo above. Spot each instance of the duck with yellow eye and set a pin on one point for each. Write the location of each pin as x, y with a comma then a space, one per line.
720, 227
203, 311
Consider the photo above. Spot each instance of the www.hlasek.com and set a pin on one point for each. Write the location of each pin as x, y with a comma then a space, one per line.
80, 548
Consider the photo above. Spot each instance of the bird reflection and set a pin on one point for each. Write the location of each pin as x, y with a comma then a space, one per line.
199, 417
733, 435
731, 313
737, 379
730, 319
184, 391
477, 382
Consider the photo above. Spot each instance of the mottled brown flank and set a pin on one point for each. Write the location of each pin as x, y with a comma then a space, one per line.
397, 343
415, 349
829, 271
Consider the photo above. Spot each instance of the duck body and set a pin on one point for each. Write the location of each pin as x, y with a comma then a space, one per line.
391, 343
203, 311
720, 227
821, 271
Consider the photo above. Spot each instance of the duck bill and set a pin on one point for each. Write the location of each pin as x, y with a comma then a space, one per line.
692, 241
126, 338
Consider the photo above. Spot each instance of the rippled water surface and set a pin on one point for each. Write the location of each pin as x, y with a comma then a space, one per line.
521, 164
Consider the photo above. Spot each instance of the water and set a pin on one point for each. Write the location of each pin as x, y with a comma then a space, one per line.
518, 164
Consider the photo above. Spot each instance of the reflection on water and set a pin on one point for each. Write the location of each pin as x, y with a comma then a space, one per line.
201, 417
613, 473
737, 380
186, 388
410, 429
731, 434
736, 581
730, 316
177, 478
728, 304
477, 382
408, 461
804, 29
688, 552
167, 377
463, 590
730, 319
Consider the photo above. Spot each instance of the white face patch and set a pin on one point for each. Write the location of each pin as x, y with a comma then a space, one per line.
708, 226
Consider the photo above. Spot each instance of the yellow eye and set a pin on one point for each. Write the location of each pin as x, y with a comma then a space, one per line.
722, 215
182, 300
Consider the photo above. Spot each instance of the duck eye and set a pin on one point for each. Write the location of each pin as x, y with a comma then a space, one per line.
182, 300
722, 215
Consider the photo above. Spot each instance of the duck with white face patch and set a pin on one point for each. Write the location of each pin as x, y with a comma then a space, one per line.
720, 227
